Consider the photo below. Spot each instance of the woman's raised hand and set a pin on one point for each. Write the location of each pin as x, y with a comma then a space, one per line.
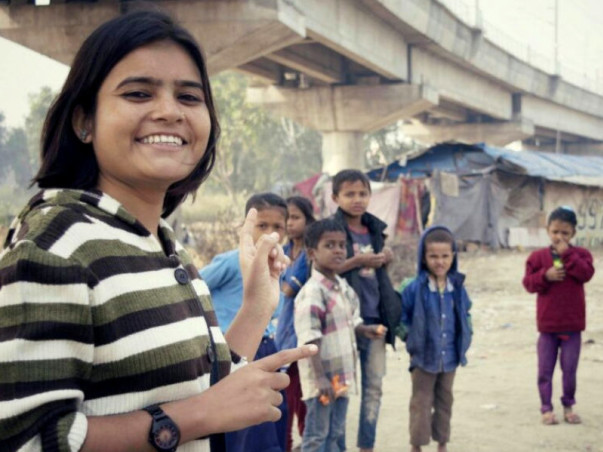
261, 265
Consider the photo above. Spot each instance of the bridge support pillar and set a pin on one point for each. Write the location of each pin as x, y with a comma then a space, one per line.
345, 113
342, 150
494, 133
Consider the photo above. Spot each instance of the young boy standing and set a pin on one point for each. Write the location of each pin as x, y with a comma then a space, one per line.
365, 270
327, 314
435, 311
557, 274
225, 281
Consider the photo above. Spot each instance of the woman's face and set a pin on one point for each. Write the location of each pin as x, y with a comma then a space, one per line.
151, 124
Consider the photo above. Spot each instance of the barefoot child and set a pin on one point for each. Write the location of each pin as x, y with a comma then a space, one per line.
435, 310
327, 313
557, 274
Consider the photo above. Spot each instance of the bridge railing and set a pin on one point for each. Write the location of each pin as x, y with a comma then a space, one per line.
470, 14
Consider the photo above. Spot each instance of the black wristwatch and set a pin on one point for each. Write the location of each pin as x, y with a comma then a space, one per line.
164, 435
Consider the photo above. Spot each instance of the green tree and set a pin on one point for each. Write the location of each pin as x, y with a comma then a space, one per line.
39, 103
16, 148
255, 149
386, 145
14, 170
13, 153
4, 156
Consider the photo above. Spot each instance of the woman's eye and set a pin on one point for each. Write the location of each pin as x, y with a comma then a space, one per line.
136, 95
191, 98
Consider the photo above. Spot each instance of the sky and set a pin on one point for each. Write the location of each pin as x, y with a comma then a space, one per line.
518, 24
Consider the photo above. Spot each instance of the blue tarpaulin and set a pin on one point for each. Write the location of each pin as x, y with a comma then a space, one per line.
464, 159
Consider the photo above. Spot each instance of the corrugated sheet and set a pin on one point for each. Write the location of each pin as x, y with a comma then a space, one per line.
472, 159
575, 169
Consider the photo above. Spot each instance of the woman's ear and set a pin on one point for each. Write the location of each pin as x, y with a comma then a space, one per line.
82, 125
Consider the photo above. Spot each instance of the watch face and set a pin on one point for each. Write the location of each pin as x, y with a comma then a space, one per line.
166, 436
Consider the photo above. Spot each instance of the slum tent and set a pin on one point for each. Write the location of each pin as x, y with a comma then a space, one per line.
501, 197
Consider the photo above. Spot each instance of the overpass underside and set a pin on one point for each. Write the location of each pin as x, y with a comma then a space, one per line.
348, 67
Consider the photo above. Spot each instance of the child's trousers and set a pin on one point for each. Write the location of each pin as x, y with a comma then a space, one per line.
549, 345
295, 405
430, 406
325, 426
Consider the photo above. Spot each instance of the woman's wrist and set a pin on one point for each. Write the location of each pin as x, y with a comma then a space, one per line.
195, 416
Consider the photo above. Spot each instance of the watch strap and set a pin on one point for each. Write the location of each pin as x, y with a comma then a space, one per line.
159, 416
155, 411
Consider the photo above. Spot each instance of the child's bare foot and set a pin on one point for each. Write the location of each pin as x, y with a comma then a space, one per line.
549, 418
570, 417
442, 447
415, 449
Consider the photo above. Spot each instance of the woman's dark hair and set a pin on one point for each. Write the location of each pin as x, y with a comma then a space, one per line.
266, 200
305, 206
67, 162
316, 230
565, 214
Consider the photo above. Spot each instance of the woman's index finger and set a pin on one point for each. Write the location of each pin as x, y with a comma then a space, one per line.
274, 362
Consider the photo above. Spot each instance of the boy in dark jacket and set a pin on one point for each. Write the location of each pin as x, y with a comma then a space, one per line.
557, 274
435, 311
365, 270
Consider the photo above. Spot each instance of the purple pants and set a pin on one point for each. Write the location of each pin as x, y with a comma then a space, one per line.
549, 345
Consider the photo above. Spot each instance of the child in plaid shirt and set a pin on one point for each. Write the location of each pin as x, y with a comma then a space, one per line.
327, 314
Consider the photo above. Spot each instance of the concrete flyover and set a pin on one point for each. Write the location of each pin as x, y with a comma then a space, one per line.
347, 67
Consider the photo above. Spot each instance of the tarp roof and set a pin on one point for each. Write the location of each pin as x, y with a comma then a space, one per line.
478, 158
575, 169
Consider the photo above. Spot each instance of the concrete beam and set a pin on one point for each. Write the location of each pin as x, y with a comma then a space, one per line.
318, 62
556, 117
351, 29
231, 33
346, 108
459, 86
428, 23
497, 134
57, 30
585, 149
267, 72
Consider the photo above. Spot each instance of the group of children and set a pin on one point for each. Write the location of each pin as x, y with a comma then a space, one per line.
337, 294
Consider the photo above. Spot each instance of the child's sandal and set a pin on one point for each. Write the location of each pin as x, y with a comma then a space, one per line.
571, 418
549, 418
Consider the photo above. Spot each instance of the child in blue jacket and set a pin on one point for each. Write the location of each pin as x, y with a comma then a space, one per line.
435, 311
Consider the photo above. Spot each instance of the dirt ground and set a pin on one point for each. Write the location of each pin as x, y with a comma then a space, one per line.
496, 404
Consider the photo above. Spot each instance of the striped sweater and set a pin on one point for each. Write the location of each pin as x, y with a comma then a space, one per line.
97, 317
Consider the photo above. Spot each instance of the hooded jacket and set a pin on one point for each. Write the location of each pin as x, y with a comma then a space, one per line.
389, 299
423, 325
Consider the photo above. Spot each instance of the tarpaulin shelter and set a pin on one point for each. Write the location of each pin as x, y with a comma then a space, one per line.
501, 197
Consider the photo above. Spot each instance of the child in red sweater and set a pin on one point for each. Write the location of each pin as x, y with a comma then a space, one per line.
557, 274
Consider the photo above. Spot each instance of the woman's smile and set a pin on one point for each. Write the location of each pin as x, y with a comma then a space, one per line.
151, 126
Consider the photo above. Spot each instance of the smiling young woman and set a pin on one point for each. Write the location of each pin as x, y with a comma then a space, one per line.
108, 337
150, 127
